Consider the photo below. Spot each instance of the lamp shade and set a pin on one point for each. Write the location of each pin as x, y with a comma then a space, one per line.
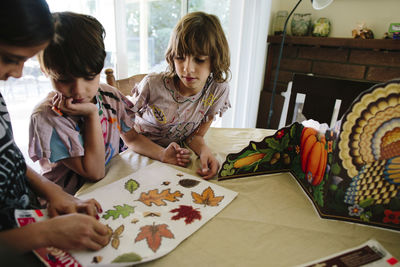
320, 4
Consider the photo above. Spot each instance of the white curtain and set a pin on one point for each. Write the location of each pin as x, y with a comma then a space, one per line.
248, 31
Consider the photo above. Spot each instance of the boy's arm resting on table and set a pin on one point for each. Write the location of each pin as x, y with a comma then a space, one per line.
172, 154
72, 231
209, 164
92, 164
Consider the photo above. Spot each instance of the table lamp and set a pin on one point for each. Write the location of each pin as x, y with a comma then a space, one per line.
316, 4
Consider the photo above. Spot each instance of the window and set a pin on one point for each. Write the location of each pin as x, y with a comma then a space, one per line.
137, 35
147, 27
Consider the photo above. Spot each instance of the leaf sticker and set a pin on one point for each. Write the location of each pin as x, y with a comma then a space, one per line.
153, 234
158, 199
115, 235
97, 259
207, 198
151, 214
127, 257
188, 212
131, 185
188, 183
123, 211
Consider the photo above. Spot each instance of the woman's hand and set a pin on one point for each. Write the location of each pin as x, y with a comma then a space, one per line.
174, 154
75, 231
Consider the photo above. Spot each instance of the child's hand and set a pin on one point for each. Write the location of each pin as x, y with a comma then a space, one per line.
209, 165
174, 154
67, 106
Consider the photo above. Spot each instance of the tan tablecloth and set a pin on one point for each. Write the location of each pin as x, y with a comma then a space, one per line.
270, 223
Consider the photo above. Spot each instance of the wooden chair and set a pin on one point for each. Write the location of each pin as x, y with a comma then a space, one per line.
124, 85
321, 94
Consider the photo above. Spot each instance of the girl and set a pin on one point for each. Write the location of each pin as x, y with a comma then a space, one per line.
27, 29
180, 104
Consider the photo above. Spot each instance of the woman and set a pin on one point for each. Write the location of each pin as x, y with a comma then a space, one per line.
27, 28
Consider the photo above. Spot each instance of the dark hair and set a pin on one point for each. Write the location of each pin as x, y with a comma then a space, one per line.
199, 33
77, 48
25, 22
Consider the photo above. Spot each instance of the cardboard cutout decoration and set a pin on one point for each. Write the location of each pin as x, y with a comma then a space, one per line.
350, 172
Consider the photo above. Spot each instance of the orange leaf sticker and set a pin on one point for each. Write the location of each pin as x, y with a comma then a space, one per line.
153, 234
207, 198
158, 199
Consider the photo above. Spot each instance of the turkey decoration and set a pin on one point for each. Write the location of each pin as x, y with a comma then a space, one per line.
350, 172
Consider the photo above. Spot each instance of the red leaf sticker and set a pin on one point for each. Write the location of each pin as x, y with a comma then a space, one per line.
187, 212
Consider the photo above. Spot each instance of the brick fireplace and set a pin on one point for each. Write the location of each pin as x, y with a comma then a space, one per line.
370, 60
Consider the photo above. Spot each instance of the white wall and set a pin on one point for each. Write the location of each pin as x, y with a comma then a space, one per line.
346, 14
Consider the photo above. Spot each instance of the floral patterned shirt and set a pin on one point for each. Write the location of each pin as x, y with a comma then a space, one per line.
164, 115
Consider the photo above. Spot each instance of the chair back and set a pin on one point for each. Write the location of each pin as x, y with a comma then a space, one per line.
321, 94
124, 85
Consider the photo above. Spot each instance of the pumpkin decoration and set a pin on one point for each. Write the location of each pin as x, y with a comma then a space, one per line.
313, 155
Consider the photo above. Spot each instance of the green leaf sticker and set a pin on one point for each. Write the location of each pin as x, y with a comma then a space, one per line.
131, 185
128, 257
123, 211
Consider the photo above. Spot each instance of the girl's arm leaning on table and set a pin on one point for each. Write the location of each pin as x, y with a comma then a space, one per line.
209, 164
172, 154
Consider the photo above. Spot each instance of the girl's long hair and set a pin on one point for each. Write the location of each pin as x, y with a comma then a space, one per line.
199, 33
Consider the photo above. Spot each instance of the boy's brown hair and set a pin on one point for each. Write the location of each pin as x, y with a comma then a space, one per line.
199, 33
77, 49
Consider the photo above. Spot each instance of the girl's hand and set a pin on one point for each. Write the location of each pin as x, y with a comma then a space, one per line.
209, 165
66, 106
61, 203
76, 231
174, 154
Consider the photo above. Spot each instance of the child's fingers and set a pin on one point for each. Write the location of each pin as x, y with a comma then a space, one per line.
184, 151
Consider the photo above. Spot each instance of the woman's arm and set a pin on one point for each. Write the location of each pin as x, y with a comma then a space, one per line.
60, 202
172, 154
209, 164
72, 231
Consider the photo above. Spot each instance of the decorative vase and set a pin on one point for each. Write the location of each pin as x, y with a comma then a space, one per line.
321, 27
279, 22
301, 24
